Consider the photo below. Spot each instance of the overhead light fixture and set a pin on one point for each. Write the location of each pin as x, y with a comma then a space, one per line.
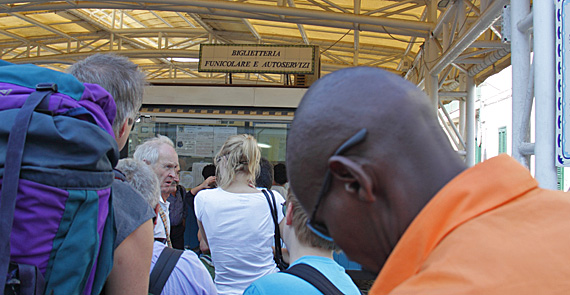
185, 59
263, 145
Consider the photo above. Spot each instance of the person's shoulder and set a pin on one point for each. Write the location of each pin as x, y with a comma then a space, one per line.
208, 192
274, 283
190, 271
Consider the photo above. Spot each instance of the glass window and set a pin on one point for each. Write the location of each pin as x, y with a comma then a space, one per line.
198, 141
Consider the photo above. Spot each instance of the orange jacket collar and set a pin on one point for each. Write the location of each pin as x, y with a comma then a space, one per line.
498, 181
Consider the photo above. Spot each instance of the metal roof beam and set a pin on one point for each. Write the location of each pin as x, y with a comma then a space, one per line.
401, 11
254, 11
365, 48
388, 7
300, 26
161, 19
185, 19
321, 5
14, 36
335, 58
252, 29
356, 37
208, 28
486, 19
41, 25
411, 43
335, 6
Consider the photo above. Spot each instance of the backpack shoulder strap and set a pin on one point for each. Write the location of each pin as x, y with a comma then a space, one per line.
119, 175
14, 154
277, 234
162, 269
314, 277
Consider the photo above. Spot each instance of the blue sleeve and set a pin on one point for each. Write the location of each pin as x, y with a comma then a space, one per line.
252, 290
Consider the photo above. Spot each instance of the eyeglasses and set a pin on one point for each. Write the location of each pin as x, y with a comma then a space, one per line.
319, 228
284, 207
132, 121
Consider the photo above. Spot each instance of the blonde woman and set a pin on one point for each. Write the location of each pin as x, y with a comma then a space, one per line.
236, 218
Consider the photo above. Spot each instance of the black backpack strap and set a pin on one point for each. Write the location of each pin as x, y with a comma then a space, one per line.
14, 154
277, 235
314, 277
162, 269
31, 280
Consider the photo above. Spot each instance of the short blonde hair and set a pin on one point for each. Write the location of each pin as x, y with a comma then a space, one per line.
239, 154
303, 233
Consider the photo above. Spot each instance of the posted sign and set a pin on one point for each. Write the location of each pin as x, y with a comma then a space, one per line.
562, 83
254, 58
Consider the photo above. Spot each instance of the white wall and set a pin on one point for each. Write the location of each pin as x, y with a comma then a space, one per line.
495, 109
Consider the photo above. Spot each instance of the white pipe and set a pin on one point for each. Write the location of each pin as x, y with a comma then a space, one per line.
432, 81
545, 106
488, 44
525, 23
356, 34
470, 122
520, 60
457, 133
452, 94
483, 23
447, 131
489, 60
443, 19
526, 111
432, 84
462, 115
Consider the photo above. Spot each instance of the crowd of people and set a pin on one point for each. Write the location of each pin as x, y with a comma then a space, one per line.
368, 171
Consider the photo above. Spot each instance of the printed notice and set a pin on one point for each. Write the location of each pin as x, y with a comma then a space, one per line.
185, 141
201, 141
221, 134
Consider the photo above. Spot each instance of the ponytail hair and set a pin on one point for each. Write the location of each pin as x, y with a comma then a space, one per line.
239, 154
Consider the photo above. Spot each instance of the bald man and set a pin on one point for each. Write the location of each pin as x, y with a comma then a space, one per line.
371, 166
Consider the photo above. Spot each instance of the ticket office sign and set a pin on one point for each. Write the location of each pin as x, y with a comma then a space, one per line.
255, 58
562, 83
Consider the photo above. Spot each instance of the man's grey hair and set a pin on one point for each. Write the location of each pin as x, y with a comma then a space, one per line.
148, 151
141, 177
120, 77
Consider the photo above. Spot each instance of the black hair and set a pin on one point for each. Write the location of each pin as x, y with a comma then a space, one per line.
265, 177
280, 173
209, 170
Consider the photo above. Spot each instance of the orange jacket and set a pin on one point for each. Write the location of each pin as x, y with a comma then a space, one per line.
490, 230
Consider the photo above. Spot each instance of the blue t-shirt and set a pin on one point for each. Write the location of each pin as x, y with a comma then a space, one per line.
285, 284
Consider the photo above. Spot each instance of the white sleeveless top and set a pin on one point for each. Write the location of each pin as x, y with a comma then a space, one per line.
240, 230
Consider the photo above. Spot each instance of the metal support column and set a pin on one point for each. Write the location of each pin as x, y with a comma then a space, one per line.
470, 122
431, 80
462, 104
545, 96
520, 60
462, 110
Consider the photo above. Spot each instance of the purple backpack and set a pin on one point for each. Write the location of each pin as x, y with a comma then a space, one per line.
57, 153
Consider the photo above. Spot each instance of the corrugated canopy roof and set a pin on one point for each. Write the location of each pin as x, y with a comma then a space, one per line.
465, 34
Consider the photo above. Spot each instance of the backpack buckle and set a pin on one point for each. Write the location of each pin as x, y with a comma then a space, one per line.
46, 87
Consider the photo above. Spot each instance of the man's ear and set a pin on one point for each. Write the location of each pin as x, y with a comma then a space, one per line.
124, 128
356, 180
289, 215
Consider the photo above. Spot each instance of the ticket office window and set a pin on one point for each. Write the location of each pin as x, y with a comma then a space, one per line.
197, 143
